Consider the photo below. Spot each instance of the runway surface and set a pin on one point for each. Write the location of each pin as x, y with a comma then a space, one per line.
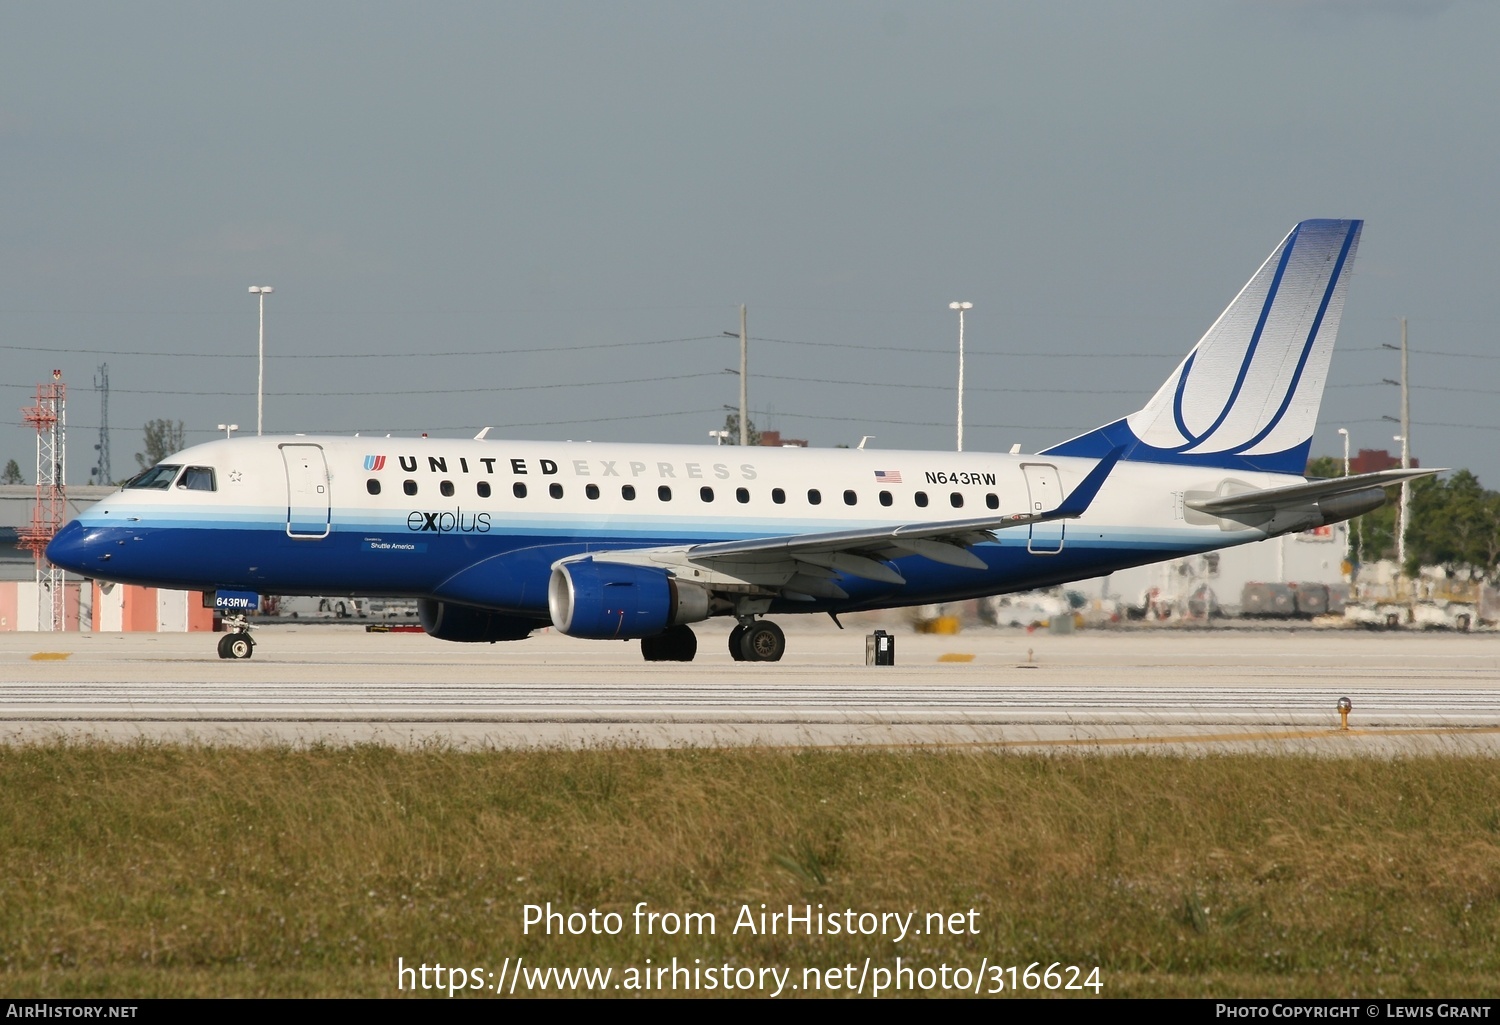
1108, 690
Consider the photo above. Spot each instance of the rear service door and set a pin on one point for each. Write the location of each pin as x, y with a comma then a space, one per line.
1045, 493
308, 505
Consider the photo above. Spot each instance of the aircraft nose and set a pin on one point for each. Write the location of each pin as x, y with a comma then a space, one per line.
70, 549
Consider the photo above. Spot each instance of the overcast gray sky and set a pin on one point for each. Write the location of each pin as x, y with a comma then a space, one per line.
541, 217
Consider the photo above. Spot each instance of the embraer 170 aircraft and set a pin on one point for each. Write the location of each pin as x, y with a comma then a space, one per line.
620, 541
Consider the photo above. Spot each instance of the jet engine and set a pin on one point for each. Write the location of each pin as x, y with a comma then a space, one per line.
614, 600
449, 622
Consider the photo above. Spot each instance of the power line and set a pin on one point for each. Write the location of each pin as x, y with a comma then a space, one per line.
361, 355
412, 391
949, 387
1003, 353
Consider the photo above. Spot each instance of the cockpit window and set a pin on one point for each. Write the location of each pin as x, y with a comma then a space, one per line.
198, 478
158, 478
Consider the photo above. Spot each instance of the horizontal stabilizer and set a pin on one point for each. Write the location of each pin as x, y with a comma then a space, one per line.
1301, 494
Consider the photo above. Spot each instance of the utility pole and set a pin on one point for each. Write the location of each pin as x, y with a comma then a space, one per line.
1405, 438
1405, 443
744, 380
102, 474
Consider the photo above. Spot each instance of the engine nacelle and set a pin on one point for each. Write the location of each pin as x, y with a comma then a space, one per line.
449, 622
614, 600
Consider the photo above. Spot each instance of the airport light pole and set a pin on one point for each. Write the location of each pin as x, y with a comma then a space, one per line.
229, 429
1344, 431
261, 291
961, 308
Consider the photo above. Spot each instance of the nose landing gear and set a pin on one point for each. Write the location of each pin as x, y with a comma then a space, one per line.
237, 643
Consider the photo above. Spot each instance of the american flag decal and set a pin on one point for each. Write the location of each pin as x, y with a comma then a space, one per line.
888, 476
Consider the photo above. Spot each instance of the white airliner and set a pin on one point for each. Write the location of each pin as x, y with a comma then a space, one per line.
612, 541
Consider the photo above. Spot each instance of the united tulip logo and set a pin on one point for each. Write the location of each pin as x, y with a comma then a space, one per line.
374, 462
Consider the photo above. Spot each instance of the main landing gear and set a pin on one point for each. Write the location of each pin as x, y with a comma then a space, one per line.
237, 643
679, 644
757, 641
750, 641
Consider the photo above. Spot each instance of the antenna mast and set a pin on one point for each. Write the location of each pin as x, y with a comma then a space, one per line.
50, 418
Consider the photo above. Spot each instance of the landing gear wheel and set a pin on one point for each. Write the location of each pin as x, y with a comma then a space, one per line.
236, 646
763, 642
678, 644
736, 636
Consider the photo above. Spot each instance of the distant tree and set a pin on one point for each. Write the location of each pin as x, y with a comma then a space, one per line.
163, 437
1378, 529
732, 425
1454, 525
12, 474
1325, 466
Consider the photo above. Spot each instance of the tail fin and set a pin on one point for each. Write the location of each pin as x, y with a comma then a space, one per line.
1247, 396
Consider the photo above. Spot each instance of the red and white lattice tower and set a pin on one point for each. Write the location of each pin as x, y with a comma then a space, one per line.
50, 418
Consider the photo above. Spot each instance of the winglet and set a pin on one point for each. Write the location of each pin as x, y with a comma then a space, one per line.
1081, 497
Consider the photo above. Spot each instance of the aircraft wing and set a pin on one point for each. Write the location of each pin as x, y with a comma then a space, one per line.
1265, 499
804, 565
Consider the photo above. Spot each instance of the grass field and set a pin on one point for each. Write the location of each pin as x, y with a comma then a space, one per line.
175, 870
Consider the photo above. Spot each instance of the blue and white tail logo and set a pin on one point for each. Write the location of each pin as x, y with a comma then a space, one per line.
1247, 396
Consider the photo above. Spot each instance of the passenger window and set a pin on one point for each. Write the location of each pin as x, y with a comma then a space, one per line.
742, 495
592, 491
197, 478
483, 488
158, 478
957, 499
850, 498
778, 496
664, 493
814, 497
372, 486
885, 498
627, 492
410, 487
518, 489
992, 500
707, 494
555, 490
446, 487
921, 499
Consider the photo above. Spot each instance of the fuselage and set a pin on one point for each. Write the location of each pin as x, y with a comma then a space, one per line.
417, 517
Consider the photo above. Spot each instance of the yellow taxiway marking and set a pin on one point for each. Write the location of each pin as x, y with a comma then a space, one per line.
50, 656
955, 656
1203, 738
